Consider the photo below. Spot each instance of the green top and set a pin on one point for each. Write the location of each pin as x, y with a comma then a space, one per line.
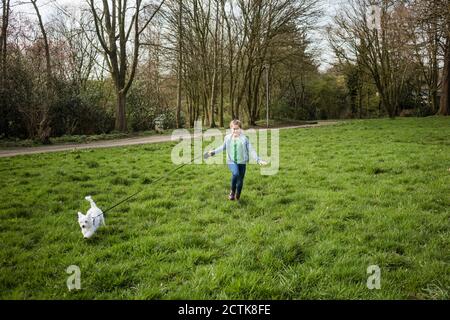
237, 150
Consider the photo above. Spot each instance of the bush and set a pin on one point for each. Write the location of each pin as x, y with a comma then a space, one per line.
83, 113
145, 108
15, 93
141, 108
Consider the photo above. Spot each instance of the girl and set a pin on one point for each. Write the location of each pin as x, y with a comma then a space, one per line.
238, 148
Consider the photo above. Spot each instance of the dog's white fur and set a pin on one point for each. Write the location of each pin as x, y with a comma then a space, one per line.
93, 219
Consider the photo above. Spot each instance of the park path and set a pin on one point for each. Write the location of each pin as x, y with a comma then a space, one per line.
121, 142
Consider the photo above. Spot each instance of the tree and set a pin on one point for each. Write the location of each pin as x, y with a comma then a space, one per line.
75, 51
437, 14
44, 129
46, 43
426, 35
114, 28
3, 63
265, 24
180, 63
444, 107
214, 68
4, 37
382, 50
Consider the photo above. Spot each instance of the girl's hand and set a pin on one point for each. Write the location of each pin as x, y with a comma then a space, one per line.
208, 154
263, 163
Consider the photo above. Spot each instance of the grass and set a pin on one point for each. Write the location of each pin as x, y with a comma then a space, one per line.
372, 192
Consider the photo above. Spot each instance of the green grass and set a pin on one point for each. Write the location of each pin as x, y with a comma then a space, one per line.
372, 192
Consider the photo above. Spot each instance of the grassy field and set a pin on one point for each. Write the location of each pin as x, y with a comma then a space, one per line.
373, 192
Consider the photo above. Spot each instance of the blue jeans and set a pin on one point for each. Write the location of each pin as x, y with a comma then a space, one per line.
237, 178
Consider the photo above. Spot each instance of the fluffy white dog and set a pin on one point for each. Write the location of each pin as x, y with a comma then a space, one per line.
93, 219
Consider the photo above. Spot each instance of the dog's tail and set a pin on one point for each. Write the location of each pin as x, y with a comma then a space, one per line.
89, 198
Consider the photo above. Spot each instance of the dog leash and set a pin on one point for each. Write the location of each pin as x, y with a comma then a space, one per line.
205, 156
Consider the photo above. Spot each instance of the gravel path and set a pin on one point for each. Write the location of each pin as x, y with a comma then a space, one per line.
118, 143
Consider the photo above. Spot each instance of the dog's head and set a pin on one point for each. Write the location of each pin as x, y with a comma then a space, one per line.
86, 225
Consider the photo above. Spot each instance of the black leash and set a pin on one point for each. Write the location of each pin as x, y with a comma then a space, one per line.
160, 178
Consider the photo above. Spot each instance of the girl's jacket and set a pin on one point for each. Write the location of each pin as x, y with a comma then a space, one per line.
248, 149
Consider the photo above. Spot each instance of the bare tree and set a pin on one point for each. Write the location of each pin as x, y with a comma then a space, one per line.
436, 14
430, 29
444, 107
77, 52
46, 43
4, 37
264, 23
381, 50
222, 76
44, 129
115, 21
425, 35
180, 63
214, 68
3, 61
229, 41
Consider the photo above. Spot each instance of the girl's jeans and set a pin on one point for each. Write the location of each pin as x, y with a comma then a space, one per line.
237, 178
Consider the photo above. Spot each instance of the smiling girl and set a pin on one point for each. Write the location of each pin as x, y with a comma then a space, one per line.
238, 149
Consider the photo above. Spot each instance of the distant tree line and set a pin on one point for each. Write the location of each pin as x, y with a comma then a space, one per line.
119, 65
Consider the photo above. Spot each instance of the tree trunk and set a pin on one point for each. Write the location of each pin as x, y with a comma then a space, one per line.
3, 38
121, 123
4, 127
180, 64
46, 45
445, 101
213, 99
215, 67
44, 129
360, 102
388, 106
221, 73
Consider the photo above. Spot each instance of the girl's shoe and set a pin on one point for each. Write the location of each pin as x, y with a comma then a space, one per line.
238, 196
231, 196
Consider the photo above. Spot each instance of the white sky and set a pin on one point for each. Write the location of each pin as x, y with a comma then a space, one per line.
329, 8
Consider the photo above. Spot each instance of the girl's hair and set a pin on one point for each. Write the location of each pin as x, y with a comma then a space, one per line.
236, 122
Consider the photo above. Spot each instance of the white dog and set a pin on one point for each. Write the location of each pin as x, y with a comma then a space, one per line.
93, 219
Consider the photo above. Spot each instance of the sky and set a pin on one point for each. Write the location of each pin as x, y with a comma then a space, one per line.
329, 7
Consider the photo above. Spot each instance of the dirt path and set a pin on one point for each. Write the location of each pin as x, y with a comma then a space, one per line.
119, 142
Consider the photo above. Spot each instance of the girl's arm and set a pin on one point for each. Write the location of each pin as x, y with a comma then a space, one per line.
252, 151
219, 149
255, 156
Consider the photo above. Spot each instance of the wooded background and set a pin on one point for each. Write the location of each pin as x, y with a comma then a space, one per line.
118, 65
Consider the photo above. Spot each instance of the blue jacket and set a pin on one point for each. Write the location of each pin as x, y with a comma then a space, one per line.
248, 149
